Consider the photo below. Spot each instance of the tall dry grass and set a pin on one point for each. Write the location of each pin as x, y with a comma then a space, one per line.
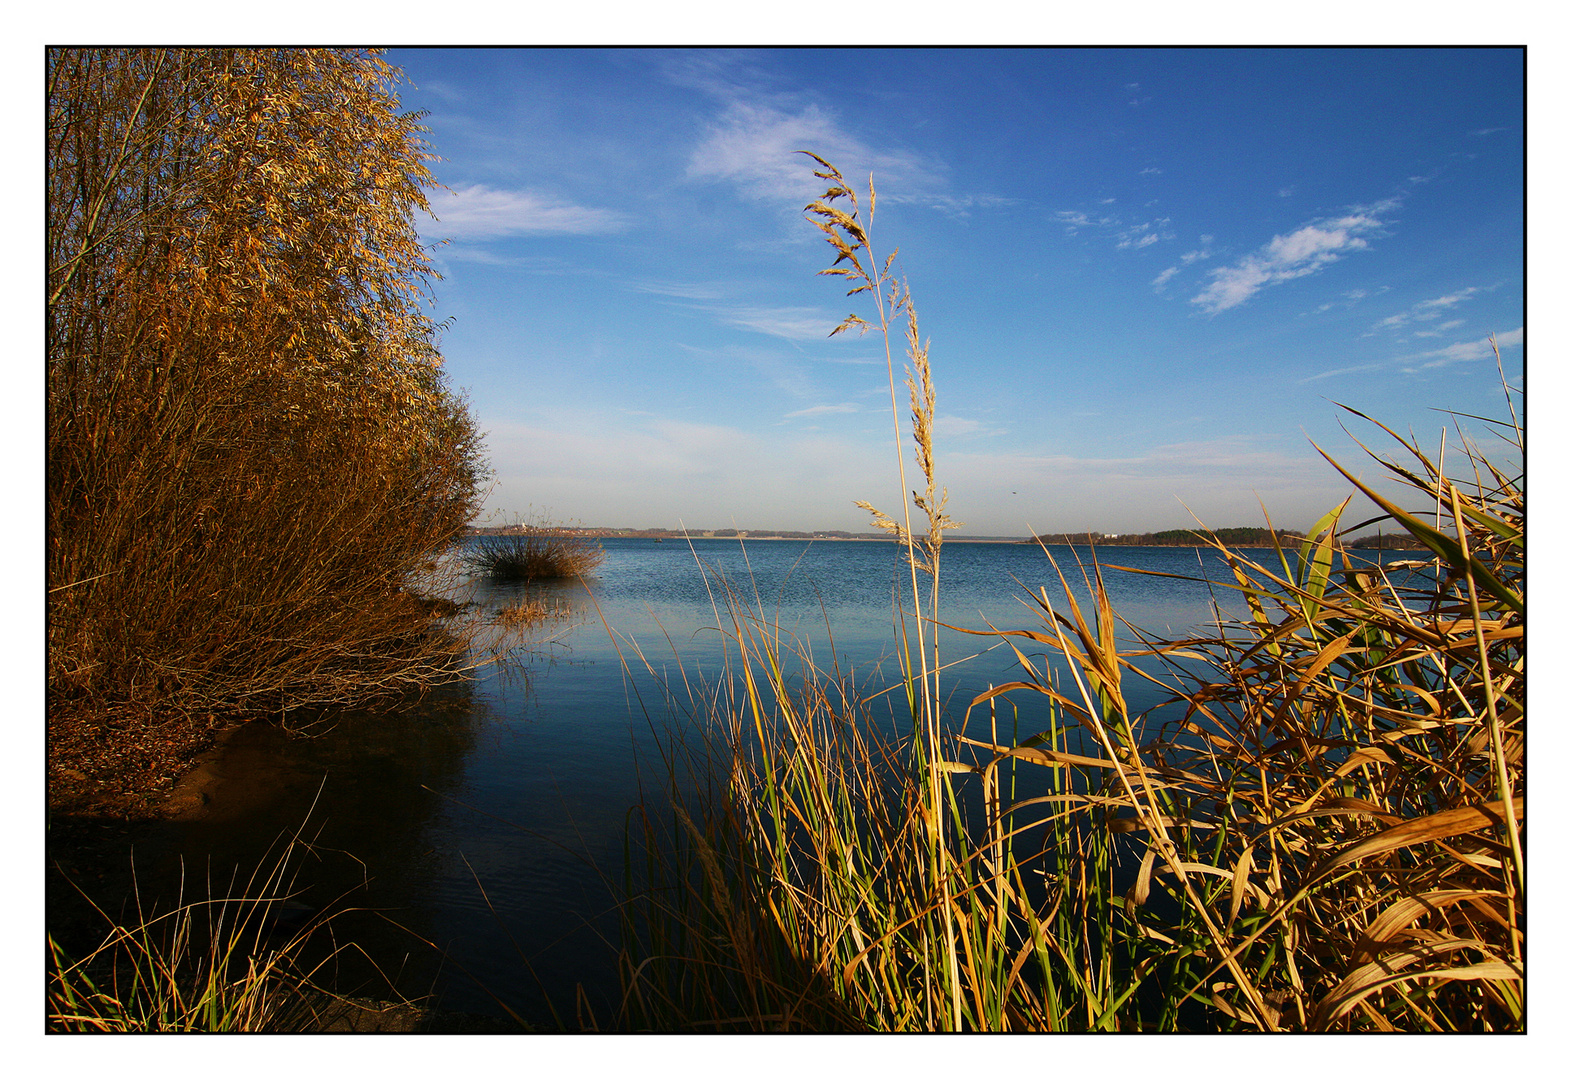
237, 961
1321, 828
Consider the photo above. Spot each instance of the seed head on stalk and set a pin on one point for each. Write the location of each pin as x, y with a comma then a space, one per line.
846, 235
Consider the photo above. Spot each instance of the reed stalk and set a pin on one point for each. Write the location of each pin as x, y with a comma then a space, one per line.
893, 301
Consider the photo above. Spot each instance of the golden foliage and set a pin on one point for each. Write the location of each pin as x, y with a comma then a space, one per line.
252, 450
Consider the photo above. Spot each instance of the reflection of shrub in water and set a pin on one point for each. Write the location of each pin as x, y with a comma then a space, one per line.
531, 611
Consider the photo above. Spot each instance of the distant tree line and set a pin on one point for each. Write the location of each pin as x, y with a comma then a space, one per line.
1237, 537
1240, 537
517, 529
1385, 542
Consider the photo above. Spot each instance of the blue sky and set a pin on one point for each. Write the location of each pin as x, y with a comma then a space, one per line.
1146, 274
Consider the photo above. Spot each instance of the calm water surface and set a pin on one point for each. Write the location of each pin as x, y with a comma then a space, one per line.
489, 817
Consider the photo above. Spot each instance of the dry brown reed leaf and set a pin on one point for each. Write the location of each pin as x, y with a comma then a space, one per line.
1440, 826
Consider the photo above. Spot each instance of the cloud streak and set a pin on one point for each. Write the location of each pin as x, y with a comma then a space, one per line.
1427, 309
821, 410
1203, 252
1075, 220
1307, 250
792, 323
754, 142
1459, 352
1467, 350
754, 146
956, 206
681, 290
478, 212
1440, 328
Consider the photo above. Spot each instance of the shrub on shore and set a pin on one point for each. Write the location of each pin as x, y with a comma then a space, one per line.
534, 555
252, 453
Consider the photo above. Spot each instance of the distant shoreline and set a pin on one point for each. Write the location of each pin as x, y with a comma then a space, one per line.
1362, 543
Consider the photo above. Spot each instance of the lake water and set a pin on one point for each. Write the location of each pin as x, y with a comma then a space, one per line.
489, 817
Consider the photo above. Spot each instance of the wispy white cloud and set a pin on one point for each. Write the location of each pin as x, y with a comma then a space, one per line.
962, 427
793, 323
487, 257
1334, 372
820, 410
1445, 301
1145, 234
681, 290
725, 73
956, 206
1126, 236
443, 91
783, 370
534, 264
1427, 309
1459, 352
1305, 251
1160, 282
1075, 220
754, 141
1467, 350
754, 146
1440, 328
478, 212
1350, 298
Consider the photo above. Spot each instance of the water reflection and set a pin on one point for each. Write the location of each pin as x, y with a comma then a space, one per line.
360, 789
488, 817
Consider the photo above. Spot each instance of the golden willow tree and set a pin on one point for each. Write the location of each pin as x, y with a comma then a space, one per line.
253, 455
